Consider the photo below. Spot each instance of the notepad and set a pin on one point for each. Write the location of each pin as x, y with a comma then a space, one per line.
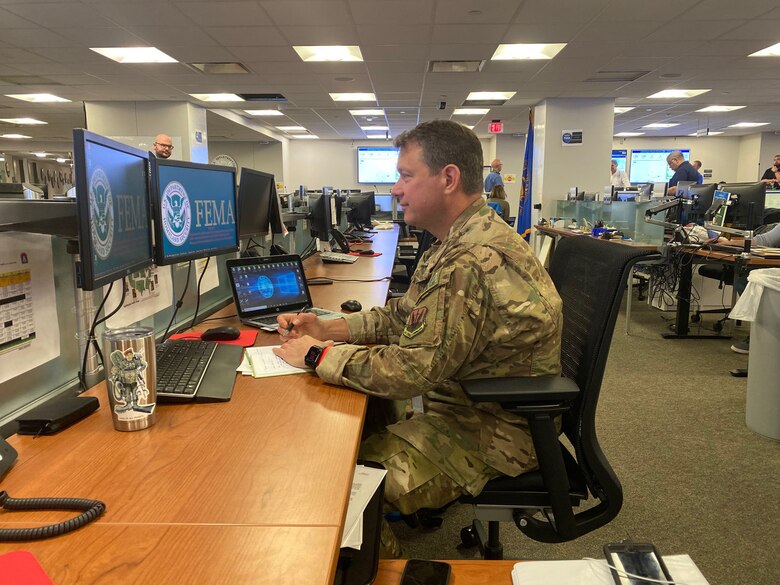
265, 363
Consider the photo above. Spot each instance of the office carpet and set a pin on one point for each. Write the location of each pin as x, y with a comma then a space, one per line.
671, 420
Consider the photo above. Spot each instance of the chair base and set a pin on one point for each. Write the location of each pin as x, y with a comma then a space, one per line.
489, 543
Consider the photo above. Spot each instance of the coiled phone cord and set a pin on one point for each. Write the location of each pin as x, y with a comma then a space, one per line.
92, 509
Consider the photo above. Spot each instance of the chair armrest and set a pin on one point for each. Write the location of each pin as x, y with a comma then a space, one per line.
519, 390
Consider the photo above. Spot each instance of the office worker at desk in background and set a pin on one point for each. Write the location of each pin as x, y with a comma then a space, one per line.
619, 178
163, 146
771, 176
683, 171
479, 305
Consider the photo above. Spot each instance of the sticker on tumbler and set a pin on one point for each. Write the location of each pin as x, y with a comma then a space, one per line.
129, 385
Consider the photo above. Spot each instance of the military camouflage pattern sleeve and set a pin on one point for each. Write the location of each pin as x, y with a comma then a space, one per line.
382, 325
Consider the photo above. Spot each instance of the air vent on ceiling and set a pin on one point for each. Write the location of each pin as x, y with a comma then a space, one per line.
219, 68
616, 76
455, 66
263, 97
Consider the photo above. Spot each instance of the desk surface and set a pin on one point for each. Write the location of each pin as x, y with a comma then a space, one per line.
718, 256
563, 232
249, 491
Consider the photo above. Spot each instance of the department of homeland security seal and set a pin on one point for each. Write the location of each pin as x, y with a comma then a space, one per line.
101, 208
176, 213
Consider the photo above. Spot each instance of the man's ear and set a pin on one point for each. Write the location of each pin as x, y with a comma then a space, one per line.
451, 175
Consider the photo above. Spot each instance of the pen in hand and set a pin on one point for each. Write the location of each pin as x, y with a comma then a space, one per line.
290, 325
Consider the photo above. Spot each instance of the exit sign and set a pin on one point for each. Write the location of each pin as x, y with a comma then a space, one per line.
496, 127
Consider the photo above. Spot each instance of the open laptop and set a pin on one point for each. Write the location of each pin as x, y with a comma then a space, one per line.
267, 286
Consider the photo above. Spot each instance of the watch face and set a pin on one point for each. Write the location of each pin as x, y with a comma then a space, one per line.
312, 356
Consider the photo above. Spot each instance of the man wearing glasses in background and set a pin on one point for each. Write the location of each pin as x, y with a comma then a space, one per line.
163, 146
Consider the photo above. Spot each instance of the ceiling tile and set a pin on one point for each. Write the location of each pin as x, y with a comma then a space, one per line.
384, 35
312, 13
53, 15
225, 13
397, 12
320, 35
247, 36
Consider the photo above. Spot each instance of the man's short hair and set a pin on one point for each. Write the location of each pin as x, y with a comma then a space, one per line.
614, 162
444, 142
675, 154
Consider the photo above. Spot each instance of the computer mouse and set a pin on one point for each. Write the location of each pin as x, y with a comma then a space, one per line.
226, 333
366, 252
351, 305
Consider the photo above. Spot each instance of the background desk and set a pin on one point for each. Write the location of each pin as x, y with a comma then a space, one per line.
249, 491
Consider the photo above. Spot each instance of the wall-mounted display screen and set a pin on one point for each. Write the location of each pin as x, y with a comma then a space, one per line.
649, 166
619, 156
377, 164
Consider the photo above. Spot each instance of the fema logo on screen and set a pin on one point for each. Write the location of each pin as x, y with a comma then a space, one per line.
176, 213
101, 211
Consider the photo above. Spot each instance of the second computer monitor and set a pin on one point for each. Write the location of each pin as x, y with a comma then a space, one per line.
361, 208
195, 210
255, 195
748, 211
321, 214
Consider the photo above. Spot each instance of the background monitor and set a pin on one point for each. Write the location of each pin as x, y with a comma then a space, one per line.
254, 202
321, 215
361, 208
112, 203
748, 211
650, 166
195, 210
683, 190
659, 189
377, 165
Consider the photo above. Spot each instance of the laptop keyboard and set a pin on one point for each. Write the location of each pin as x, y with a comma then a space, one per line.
271, 324
181, 365
338, 258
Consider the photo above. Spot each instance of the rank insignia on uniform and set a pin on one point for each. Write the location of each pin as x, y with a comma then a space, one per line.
416, 322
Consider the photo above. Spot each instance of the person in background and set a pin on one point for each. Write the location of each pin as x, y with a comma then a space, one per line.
480, 305
683, 171
163, 146
697, 165
771, 176
494, 176
497, 200
619, 178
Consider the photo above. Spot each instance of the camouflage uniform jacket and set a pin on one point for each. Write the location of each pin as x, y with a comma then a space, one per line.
479, 305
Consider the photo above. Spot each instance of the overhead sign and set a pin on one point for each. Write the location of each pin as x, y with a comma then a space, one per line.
571, 137
496, 127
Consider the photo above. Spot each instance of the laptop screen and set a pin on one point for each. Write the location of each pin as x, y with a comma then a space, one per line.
263, 285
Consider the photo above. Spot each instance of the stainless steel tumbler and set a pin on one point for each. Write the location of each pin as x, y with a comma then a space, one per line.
131, 376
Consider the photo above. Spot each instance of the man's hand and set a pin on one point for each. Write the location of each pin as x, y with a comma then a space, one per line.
295, 325
294, 350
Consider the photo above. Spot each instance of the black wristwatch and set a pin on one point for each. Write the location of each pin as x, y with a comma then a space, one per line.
313, 356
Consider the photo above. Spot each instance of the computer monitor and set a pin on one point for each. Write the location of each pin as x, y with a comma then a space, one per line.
254, 202
112, 209
659, 189
321, 215
361, 208
194, 210
746, 213
683, 190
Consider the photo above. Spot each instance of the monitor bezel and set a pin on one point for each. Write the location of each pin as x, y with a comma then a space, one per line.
87, 279
272, 191
160, 259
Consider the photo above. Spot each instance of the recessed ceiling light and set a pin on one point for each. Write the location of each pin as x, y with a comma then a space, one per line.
217, 97
264, 112
14, 136
134, 54
524, 51
627, 134
705, 135
305, 136
623, 110
329, 53
677, 93
367, 112
292, 128
470, 111
376, 136
353, 97
660, 125
22, 121
490, 95
773, 51
370, 128
220, 68
720, 108
749, 124
38, 98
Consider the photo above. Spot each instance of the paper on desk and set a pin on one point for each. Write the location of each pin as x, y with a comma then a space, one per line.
596, 572
211, 278
364, 483
265, 363
244, 368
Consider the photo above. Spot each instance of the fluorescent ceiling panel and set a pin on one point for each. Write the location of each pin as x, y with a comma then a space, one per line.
677, 93
527, 51
329, 53
217, 97
353, 97
37, 98
720, 108
22, 121
134, 54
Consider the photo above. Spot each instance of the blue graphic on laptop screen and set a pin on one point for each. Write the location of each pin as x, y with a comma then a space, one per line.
266, 287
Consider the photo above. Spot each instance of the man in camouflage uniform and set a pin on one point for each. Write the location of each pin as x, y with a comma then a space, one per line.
479, 305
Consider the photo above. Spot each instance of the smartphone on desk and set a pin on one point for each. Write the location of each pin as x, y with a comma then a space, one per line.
636, 563
417, 572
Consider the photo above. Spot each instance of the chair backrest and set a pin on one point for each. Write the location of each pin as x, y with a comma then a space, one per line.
590, 276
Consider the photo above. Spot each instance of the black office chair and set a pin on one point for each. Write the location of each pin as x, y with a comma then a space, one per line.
590, 275
400, 282
724, 274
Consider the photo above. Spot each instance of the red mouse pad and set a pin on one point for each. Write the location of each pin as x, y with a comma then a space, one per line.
20, 566
246, 339
365, 255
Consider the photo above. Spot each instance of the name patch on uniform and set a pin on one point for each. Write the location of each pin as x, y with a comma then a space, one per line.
416, 322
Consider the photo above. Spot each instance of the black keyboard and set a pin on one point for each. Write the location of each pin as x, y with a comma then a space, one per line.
181, 365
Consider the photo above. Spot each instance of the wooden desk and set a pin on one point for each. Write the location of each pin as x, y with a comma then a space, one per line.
463, 572
254, 490
554, 232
